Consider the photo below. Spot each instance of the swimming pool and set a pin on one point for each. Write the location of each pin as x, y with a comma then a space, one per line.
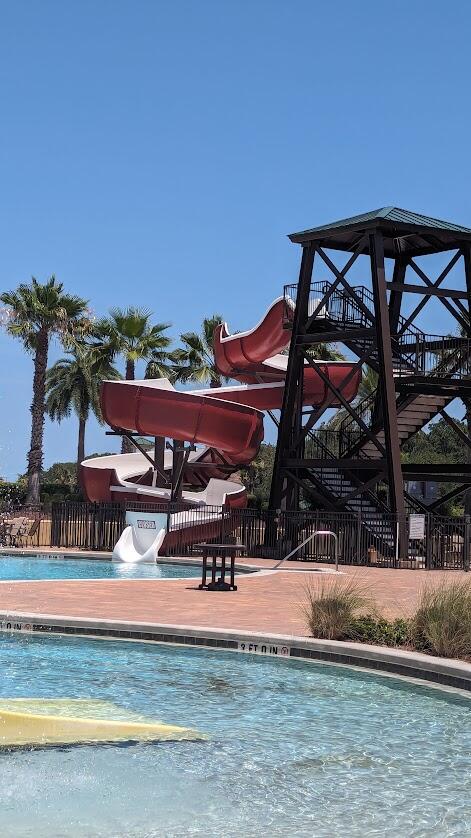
38, 567
294, 749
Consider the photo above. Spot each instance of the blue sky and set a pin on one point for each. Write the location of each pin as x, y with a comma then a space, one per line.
157, 153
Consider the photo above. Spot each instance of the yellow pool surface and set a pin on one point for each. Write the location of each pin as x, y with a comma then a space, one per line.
39, 722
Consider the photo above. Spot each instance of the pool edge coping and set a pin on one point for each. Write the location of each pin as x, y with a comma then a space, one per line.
102, 556
414, 665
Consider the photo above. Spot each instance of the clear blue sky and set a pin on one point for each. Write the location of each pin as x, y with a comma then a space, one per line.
157, 153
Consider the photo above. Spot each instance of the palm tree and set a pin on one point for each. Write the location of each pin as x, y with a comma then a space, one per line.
74, 384
35, 313
326, 352
194, 361
129, 332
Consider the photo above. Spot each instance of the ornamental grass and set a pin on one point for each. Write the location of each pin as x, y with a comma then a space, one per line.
441, 624
332, 606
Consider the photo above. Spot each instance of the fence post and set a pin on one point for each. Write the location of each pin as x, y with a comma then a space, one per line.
223, 525
467, 523
358, 538
428, 543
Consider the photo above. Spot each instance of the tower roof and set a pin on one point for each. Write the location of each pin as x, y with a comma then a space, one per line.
403, 232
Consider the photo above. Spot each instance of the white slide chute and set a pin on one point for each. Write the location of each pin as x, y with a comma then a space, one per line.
141, 539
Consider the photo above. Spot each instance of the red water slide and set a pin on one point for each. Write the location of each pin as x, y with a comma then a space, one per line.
228, 420
255, 355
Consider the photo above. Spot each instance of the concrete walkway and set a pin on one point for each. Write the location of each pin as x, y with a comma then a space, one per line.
266, 602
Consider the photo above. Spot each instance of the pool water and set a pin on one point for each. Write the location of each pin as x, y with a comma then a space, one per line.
294, 749
19, 567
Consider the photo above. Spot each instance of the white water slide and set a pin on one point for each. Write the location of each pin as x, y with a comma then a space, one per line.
139, 544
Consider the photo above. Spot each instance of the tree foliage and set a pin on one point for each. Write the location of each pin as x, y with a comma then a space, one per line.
73, 384
257, 476
439, 444
34, 313
129, 333
194, 361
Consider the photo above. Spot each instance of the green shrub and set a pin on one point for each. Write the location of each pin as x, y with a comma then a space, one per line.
442, 622
378, 631
11, 494
333, 605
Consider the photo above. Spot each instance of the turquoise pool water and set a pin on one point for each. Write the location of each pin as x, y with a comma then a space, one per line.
17, 567
294, 749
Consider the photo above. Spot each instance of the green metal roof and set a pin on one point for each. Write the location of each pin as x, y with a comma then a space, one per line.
394, 215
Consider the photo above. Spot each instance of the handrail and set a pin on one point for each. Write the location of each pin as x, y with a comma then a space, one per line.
343, 309
324, 449
309, 538
431, 355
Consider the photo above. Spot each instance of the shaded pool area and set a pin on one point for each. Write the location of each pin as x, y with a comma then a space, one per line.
293, 748
39, 567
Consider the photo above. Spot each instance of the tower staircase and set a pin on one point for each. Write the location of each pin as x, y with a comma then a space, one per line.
414, 355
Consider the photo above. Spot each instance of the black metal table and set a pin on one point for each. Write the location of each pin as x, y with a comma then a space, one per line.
226, 553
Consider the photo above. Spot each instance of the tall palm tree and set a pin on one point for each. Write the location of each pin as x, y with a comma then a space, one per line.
130, 333
73, 383
35, 313
194, 361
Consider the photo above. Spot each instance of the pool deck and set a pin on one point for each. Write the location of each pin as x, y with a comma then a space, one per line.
269, 601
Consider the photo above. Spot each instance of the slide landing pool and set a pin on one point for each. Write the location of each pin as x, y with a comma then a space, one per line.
291, 748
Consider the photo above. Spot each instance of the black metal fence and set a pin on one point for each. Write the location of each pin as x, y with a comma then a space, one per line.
429, 542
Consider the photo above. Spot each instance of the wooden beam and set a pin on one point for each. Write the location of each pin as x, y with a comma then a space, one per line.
450, 293
360, 490
454, 425
290, 416
439, 477
343, 464
437, 468
340, 278
386, 376
317, 412
349, 407
339, 336
458, 490
423, 385
423, 276
350, 291
395, 299
423, 302
310, 490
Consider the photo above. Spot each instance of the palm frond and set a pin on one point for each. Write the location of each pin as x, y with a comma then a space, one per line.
128, 332
194, 360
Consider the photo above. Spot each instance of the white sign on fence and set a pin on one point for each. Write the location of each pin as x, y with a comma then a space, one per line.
146, 525
416, 526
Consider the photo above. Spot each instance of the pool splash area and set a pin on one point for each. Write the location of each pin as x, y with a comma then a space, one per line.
292, 748
51, 567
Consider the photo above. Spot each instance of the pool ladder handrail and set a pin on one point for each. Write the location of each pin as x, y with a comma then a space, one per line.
309, 538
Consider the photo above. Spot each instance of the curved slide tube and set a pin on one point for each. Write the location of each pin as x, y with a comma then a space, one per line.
226, 421
256, 355
128, 548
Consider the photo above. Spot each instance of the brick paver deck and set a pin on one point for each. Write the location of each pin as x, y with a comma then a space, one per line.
264, 602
